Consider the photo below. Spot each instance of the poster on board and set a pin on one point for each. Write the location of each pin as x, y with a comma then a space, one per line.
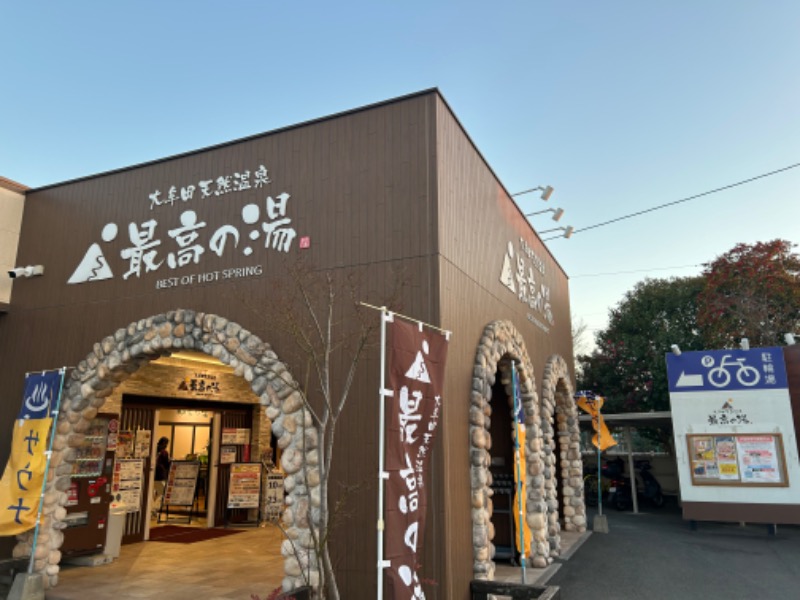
126, 485
227, 455
759, 458
125, 444
142, 444
235, 436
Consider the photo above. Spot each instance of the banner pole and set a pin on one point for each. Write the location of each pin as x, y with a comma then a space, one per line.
599, 466
392, 314
381, 444
49, 454
518, 461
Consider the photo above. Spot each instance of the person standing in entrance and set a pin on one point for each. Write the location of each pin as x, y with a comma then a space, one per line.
162, 472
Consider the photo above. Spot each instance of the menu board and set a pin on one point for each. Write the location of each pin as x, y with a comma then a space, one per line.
245, 485
748, 459
126, 486
181, 483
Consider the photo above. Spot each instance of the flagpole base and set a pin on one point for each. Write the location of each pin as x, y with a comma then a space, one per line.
600, 524
27, 586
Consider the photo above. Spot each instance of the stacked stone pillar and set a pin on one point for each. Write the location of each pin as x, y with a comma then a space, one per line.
552, 448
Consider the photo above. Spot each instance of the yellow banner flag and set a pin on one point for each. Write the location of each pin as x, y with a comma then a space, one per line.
593, 406
21, 486
520, 496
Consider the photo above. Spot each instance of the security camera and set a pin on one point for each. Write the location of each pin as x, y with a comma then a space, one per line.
675, 349
28, 271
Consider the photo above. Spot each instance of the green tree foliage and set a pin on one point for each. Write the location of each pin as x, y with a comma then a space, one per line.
628, 366
752, 291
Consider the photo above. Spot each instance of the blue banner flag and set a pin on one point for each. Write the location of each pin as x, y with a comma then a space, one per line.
41, 389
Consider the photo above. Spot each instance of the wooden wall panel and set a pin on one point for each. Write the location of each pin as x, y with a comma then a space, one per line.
357, 185
476, 223
791, 356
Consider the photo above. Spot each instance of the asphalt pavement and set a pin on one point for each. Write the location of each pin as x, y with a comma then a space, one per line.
656, 555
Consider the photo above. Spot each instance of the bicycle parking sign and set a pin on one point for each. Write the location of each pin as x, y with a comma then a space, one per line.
726, 370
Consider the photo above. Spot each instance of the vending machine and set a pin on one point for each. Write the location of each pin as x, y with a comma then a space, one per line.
89, 494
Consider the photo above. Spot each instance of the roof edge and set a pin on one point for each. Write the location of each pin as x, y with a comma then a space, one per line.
9, 184
433, 90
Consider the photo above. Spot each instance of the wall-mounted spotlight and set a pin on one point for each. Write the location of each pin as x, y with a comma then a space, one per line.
744, 344
547, 191
789, 339
675, 349
567, 231
557, 213
29, 271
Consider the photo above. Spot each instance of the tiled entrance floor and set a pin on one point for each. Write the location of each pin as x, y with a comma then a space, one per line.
226, 568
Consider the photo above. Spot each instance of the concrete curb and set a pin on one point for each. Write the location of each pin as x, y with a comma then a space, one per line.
547, 573
574, 547
27, 587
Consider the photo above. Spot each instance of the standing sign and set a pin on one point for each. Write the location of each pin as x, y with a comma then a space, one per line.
733, 426
22, 484
416, 376
181, 483
245, 485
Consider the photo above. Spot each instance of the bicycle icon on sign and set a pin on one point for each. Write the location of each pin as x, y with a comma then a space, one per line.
720, 376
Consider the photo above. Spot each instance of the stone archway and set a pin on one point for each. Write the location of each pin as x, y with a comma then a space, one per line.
560, 422
118, 356
499, 345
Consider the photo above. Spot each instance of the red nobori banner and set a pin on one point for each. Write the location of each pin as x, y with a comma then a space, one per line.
416, 375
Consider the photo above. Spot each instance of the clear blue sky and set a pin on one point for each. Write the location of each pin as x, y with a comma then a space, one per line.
620, 106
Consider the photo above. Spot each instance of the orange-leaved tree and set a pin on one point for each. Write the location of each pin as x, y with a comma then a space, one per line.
752, 291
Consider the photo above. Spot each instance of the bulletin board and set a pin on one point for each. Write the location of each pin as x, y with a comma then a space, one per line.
749, 460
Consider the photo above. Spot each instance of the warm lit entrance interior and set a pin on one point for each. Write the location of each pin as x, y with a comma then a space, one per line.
214, 424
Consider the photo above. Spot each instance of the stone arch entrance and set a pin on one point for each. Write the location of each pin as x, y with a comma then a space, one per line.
564, 469
500, 344
118, 356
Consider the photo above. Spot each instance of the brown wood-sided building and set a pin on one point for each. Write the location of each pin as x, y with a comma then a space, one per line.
185, 249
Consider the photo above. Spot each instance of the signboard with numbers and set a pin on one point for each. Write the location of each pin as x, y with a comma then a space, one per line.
273, 496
